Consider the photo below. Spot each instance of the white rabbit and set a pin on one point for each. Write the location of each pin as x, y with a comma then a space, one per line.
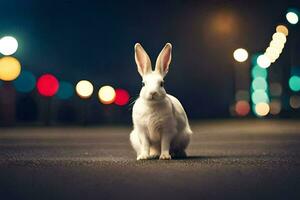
161, 127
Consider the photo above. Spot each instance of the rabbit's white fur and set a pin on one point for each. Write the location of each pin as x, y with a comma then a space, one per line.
161, 127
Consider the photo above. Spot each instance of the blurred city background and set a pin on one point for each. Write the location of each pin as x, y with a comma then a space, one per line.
72, 62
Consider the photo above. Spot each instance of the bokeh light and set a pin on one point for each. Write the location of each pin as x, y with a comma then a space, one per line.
242, 108
263, 61
278, 36
106, 94
262, 109
242, 95
259, 72
122, 97
259, 83
292, 17
294, 83
65, 91
240, 55
275, 107
25, 82
276, 44
8, 45
295, 101
259, 96
282, 29
84, 89
10, 68
275, 89
47, 85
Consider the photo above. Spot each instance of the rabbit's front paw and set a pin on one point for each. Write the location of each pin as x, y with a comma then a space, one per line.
143, 157
165, 156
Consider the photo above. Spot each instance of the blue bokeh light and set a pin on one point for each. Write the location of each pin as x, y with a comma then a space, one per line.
25, 82
65, 91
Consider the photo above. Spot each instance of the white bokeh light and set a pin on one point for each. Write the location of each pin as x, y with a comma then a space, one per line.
263, 61
8, 45
292, 17
240, 55
84, 89
107, 94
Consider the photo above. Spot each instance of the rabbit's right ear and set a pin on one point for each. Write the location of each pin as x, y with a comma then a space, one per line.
142, 60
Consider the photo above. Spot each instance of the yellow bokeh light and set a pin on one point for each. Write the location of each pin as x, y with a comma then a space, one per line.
272, 53
8, 45
107, 94
84, 89
262, 109
279, 37
10, 68
282, 29
240, 55
277, 44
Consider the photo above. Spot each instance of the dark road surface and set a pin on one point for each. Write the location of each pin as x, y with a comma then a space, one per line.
228, 160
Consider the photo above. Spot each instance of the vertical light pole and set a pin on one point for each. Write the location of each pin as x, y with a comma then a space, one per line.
241, 82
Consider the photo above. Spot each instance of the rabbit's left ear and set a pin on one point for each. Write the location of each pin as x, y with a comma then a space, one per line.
164, 59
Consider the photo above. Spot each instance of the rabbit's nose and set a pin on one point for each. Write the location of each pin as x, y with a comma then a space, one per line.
153, 94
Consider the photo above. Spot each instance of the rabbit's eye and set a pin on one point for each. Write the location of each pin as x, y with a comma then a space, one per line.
161, 84
143, 84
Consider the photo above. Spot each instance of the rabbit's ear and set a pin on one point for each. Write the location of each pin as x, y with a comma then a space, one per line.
142, 60
164, 59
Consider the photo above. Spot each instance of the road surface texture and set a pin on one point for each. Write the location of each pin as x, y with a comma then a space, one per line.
247, 159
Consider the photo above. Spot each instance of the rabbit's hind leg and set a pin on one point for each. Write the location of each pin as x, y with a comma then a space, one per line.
179, 144
135, 142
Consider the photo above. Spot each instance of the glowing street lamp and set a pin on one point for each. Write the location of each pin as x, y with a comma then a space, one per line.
292, 17
263, 61
262, 109
107, 94
10, 68
84, 89
240, 55
8, 45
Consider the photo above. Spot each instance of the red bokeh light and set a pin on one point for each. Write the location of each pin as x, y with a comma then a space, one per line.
47, 85
242, 108
122, 97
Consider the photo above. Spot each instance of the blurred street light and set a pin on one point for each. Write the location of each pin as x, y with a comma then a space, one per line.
122, 97
107, 94
84, 89
65, 91
8, 45
240, 55
292, 17
10, 68
47, 85
262, 109
282, 29
25, 82
263, 61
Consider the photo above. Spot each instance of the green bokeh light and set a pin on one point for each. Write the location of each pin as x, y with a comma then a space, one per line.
259, 72
254, 59
294, 83
65, 91
259, 96
25, 82
259, 83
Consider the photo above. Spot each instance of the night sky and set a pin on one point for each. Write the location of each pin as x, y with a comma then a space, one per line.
94, 40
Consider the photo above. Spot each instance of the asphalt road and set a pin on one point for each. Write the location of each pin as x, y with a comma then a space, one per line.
227, 160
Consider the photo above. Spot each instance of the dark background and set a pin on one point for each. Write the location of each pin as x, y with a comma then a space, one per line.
94, 40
